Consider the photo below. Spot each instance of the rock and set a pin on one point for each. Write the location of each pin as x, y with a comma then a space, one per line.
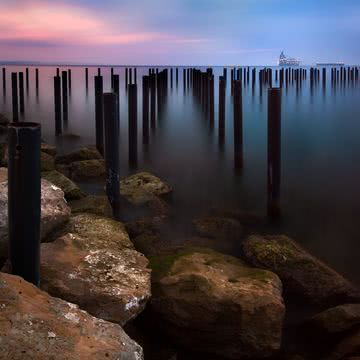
216, 304
335, 320
54, 212
94, 264
47, 162
302, 274
3, 174
142, 188
3, 154
63, 169
87, 169
218, 227
48, 149
34, 325
145, 225
84, 153
93, 204
149, 244
70, 189
347, 348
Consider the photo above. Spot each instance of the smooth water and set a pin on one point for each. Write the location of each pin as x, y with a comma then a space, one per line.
320, 192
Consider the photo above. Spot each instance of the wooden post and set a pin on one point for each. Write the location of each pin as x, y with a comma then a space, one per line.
132, 125
145, 88
57, 102
21, 93
99, 125
274, 151
15, 106
112, 161
238, 126
65, 95
221, 110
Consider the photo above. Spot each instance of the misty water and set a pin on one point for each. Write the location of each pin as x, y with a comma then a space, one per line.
320, 177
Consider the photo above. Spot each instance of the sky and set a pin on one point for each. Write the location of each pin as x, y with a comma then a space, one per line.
179, 32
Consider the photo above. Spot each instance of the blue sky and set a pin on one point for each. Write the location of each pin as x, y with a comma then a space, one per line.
179, 31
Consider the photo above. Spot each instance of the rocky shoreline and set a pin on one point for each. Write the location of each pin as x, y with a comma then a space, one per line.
185, 299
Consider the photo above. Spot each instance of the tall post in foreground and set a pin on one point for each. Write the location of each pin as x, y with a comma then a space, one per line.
99, 114
111, 124
274, 151
132, 88
15, 106
57, 101
24, 200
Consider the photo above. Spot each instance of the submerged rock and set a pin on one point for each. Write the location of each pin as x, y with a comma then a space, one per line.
34, 325
48, 149
142, 188
70, 189
93, 204
54, 212
47, 162
84, 153
215, 303
94, 264
218, 227
87, 169
335, 320
301, 273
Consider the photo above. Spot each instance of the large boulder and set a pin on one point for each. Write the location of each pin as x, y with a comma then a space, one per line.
94, 204
54, 212
303, 275
94, 264
47, 162
70, 189
217, 304
142, 188
84, 153
48, 149
87, 169
335, 320
34, 325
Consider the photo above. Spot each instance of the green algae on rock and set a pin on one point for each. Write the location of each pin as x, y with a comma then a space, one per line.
84, 153
301, 273
93, 263
195, 290
93, 204
83, 169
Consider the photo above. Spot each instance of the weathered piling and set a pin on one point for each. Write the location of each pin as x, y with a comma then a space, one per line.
152, 101
112, 161
177, 76
4, 79
24, 194
64, 95
15, 106
111, 77
274, 151
27, 78
211, 100
37, 80
132, 125
99, 125
69, 79
57, 72
238, 126
130, 76
184, 79
126, 77
116, 86
57, 103
135, 76
21, 93
222, 86
99, 72
145, 109
171, 77
86, 78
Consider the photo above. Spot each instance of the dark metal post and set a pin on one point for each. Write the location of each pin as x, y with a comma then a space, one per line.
274, 150
24, 204
65, 94
132, 88
112, 126
69, 76
99, 125
15, 107
145, 84
37, 80
57, 100
21, 92
238, 126
221, 110
86, 77
4, 79
27, 78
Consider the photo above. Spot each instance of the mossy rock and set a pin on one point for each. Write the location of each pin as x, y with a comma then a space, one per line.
197, 289
48, 149
47, 162
84, 153
70, 189
87, 169
303, 275
94, 204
